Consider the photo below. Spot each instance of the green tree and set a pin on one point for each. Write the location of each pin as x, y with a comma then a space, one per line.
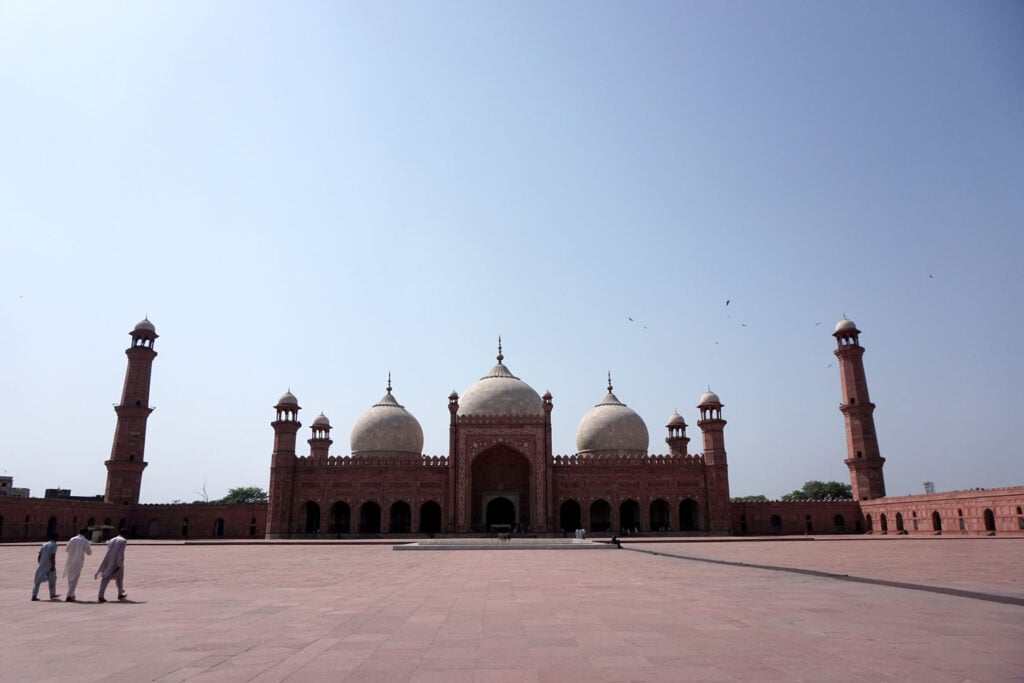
243, 495
821, 490
749, 499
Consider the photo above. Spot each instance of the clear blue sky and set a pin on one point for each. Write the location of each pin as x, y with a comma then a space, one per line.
311, 195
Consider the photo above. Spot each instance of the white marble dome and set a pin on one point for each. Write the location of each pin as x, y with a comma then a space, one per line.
145, 326
387, 429
611, 426
709, 398
499, 392
844, 325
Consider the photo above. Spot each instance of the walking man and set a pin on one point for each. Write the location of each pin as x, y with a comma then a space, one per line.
112, 567
77, 548
47, 569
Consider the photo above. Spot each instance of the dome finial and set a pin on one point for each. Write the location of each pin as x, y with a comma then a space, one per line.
609, 381
500, 356
389, 381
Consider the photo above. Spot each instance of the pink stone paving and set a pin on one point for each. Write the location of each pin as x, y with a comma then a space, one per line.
367, 613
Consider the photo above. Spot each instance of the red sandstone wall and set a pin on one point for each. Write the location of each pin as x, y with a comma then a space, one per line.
797, 517
28, 519
960, 513
645, 483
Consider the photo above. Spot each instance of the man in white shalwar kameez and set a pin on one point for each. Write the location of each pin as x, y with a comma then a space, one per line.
112, 567
77, 548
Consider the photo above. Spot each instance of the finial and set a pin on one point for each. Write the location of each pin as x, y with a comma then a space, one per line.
609, 381
500, 357
389, 381
709, 388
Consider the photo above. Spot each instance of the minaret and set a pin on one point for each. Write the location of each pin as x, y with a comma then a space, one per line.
713, 427
677, 440
282, 466
127, 456
716, 464
320, 444
865, 461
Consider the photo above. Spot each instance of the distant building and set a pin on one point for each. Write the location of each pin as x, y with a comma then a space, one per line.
8, 490
500, 474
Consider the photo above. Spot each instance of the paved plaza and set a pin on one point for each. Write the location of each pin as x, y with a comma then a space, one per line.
695, 611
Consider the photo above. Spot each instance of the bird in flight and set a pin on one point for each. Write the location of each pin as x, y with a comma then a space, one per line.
727, 301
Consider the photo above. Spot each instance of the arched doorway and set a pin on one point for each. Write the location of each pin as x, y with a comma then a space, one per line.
153, 530
309, 518
899, 521
218, 527
51, 526
660, 517
500, 473
990, 520
401, 518
936, 521
1, 526
869, 523
430, 518
570, 516
776, 524
600, 516
340, 520
884, 522
838, 525
369, 518
689, 515
499, 511
629, 515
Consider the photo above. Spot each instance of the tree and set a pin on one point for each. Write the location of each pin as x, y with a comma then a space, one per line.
749, 499
821, 490
244, 495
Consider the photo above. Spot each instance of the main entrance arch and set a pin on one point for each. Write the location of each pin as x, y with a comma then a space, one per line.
500, 490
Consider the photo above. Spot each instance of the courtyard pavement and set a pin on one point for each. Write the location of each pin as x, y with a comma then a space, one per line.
696, 611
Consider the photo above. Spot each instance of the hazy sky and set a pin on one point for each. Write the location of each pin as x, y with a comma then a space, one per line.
310, 195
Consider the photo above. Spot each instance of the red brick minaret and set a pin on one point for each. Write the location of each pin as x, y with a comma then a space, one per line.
716, 464
320, 444
127, 456
282, 465
864, 460
677, 440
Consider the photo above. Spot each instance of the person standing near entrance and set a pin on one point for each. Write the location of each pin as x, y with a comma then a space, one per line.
47, 569
77, 548
112, 566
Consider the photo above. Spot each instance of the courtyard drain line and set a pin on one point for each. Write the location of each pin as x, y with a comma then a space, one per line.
973, 595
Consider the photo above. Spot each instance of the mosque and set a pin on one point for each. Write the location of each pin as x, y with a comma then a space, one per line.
501, 476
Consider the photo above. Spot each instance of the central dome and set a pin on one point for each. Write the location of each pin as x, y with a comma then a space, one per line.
612, 427
498, 393
387, 429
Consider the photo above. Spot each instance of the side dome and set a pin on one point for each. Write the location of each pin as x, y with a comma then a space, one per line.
288, 399
387, 428
612, 427
145, 326
321, 421
499, 392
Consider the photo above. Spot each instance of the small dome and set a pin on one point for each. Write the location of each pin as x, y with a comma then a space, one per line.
709, 398
145, 326
387, 429
612, 426
499, 392
288, 399
845, 325
321, 421
676, 420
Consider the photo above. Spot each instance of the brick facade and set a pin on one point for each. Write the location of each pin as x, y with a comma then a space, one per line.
501, 470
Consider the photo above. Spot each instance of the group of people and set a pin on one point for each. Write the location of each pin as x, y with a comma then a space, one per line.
112, 566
